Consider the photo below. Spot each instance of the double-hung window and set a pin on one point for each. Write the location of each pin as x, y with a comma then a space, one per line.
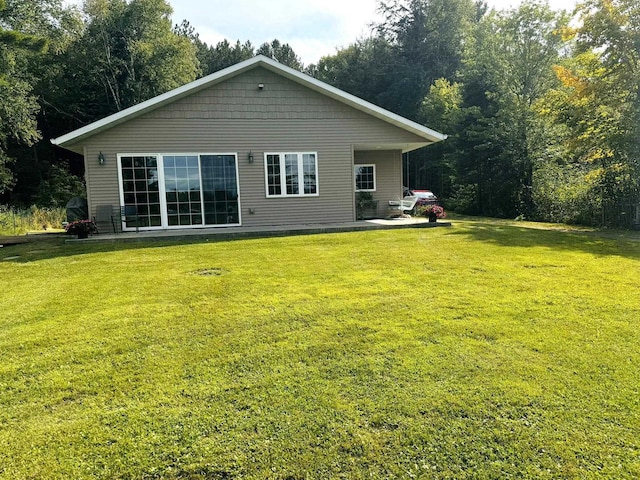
291, 174
365, 178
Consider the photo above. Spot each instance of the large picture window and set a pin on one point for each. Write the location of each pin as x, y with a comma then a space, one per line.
365, 177
291, 174
181, 190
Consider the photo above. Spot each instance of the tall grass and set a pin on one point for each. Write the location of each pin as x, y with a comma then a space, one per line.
20, 221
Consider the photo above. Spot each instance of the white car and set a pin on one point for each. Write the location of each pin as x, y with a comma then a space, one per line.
425, 197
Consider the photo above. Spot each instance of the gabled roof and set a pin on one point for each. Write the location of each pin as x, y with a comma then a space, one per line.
71, 138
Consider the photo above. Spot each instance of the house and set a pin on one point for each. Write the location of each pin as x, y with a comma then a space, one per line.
255, 144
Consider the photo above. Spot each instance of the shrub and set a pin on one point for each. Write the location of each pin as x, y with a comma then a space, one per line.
364, 201
464, 199
59, 187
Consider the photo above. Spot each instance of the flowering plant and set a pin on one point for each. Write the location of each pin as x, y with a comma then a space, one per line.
432, 211
422, 201
81, 228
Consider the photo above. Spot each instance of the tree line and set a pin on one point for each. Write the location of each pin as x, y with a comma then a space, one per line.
541, 106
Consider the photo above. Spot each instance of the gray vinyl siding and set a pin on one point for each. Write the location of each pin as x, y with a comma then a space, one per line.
388, 175
239, 98
235, 117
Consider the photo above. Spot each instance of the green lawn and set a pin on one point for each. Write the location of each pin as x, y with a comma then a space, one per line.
485, 350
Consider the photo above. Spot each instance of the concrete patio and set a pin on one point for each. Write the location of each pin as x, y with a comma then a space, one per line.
228, 233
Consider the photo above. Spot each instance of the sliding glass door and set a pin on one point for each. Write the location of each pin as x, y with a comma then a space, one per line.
140, 191
180, 191
219, 189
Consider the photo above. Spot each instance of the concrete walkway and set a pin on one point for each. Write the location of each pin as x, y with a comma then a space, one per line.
227, 233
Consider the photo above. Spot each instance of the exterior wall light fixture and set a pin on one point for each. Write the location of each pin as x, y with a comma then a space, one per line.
101, 158
250, 157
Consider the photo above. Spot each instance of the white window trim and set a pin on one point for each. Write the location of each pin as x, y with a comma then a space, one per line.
355, 185
283, 175
163, 198
123, 226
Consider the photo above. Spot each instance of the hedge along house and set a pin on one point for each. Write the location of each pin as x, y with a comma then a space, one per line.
255, 144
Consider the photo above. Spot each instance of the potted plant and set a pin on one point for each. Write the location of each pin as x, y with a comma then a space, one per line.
365, 201
81, 228
432, 212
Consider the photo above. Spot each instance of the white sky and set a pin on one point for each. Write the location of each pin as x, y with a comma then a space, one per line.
313, 28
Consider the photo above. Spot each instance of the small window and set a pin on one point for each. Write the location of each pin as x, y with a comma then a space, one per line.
365, 177
291, 174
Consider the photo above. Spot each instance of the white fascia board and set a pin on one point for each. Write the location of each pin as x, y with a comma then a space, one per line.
112, 120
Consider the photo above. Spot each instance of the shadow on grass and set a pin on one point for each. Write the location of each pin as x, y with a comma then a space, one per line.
44, 249
596, 242
56, 247
499, 232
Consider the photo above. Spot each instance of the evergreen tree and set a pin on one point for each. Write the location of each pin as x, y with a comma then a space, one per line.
281, 52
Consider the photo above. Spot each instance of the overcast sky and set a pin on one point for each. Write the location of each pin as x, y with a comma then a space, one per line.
313, 28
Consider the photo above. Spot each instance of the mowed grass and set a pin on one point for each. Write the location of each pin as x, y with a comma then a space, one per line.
485, 350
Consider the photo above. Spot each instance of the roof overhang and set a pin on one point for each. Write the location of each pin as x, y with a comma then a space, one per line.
71, 140
404, 147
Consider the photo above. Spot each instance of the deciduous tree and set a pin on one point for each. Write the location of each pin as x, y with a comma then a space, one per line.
507, 67
18, 106
127, 54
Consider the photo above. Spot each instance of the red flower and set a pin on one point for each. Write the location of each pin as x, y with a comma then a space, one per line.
80, 227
